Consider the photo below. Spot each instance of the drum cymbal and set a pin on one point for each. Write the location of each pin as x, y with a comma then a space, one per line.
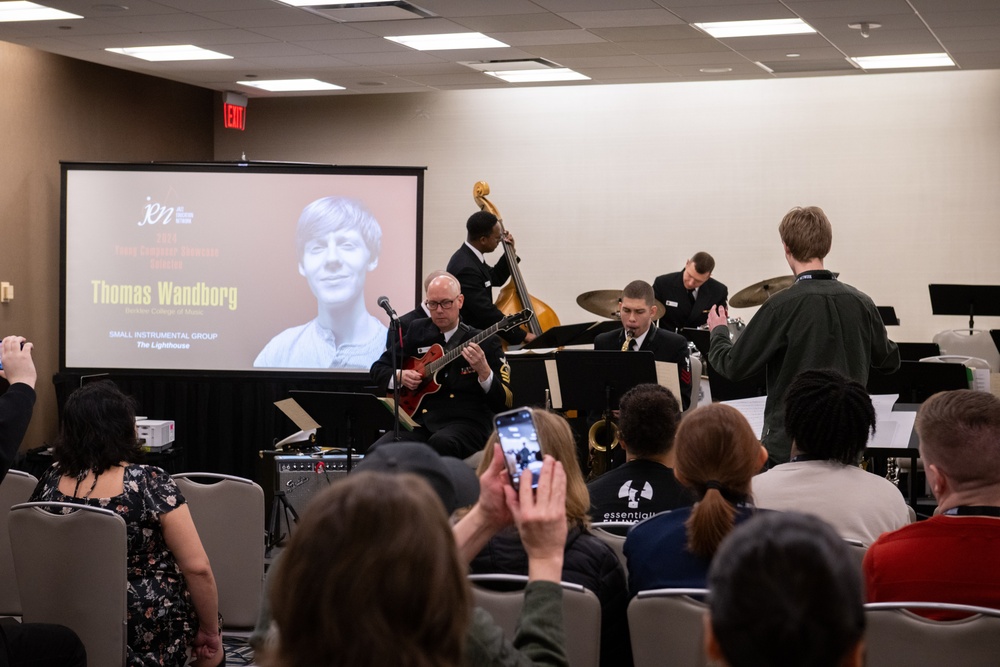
756, 294
604, 303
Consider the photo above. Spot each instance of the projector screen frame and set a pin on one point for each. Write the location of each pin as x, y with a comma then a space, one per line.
405, 285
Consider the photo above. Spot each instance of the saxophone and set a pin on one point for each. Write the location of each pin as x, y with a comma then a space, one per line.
600, 453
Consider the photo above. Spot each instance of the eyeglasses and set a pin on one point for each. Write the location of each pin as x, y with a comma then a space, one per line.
444, 305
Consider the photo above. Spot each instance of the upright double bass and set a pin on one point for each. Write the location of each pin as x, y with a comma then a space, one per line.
514, 296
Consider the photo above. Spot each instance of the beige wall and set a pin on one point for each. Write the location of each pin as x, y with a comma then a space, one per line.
54, 108
602, 185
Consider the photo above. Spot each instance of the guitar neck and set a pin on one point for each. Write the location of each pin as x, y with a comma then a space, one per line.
451, 355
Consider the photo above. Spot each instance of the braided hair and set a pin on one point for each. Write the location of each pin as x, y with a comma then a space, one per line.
829, 416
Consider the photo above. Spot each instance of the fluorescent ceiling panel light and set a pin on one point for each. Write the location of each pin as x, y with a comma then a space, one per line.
726, 29
903, 61
29, 11
536, 76
171, 52
290, 85
448, 41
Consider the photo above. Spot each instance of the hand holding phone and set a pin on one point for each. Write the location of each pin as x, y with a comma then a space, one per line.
519, 442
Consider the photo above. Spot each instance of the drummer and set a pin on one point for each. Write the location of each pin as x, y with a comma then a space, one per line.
817, 323
689, 294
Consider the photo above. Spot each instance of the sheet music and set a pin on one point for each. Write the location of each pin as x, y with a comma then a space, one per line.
404, 419
666, 375
295, 412
552, 373
753, 410
892, 429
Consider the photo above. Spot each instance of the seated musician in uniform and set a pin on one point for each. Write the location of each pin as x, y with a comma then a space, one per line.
689, 294
457, 418
638, 310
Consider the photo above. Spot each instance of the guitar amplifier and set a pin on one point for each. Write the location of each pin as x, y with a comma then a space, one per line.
302, 476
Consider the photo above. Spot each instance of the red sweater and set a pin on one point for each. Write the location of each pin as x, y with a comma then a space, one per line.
943, 559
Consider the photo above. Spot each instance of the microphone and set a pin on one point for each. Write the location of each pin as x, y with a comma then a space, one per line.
383, 302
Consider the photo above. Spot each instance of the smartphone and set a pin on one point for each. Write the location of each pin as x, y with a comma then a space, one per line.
519, 442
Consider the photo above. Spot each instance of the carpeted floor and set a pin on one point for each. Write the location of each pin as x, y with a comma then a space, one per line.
238, 652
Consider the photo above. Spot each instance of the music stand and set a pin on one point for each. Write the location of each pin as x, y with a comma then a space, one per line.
700, 337
350, 421
581, 333
888, 315
591, 380
916, 381
968, 300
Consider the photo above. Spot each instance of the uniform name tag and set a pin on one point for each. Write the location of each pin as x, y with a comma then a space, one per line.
488, 284
670, 304
422, 350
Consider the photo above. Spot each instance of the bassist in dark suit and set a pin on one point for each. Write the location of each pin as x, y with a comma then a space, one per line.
456, 419
478, 278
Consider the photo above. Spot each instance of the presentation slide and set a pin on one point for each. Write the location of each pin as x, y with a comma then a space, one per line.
235, 267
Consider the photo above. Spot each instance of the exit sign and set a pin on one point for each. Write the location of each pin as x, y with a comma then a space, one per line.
234, 116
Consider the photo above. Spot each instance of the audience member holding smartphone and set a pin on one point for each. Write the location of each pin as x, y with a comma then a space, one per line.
588, 560
38, 644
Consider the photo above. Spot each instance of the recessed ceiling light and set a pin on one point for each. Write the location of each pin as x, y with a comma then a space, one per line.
29, 11
715, 70
539, 75
290, 85
726, 29
904, 61
448, 41
793, 55
170, 53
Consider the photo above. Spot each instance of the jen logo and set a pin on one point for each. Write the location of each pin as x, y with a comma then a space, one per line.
155, 213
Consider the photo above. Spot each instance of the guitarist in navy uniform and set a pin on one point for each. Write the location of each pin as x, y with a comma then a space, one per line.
456, 419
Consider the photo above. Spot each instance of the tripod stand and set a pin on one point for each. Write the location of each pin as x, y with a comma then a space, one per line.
279, 505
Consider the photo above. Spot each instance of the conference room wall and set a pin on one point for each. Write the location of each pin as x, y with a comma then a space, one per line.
605, 184
54, 108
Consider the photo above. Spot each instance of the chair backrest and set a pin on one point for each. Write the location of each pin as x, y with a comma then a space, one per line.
613, 534
581, 613
666, 627
229, 516
15, 488
857, 549
973, 342
71, 570
897, 636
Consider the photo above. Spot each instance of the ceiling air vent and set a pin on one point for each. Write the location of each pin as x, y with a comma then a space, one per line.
370, 11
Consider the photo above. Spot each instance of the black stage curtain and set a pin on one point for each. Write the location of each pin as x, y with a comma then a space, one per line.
222, 423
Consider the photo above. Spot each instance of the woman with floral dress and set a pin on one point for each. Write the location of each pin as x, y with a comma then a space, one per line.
172, 598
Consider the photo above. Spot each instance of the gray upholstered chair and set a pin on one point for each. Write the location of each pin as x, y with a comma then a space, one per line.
15, 488
613, 534
581, 613
228, 512
71, 570
897, 636
666, 626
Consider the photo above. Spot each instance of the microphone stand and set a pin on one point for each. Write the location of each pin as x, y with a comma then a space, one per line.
397, 372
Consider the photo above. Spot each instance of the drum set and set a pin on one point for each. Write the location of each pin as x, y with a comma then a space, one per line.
607, 303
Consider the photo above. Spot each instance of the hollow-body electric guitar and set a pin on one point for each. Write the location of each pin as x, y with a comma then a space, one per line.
436, 358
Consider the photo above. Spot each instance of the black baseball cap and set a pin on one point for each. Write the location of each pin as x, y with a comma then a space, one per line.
451, 478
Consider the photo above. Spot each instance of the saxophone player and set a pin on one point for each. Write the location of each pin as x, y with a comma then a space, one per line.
638, 314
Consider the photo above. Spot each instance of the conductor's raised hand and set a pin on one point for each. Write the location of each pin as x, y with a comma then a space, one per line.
718, 316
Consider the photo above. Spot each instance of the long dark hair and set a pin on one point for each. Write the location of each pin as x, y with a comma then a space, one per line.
98, 430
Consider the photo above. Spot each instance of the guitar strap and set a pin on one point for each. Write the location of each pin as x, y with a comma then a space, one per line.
457, 338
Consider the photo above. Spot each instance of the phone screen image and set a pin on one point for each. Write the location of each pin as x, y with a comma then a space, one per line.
519, 442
